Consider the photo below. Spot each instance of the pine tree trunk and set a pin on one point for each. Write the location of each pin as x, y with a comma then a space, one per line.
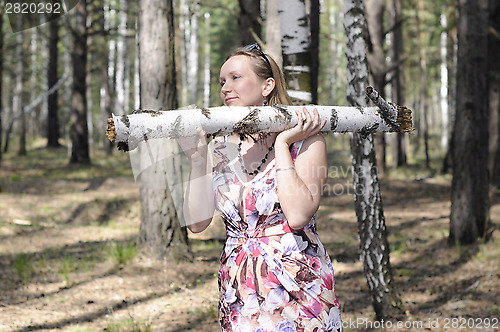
398, 82
160, 232
52, 116
423, 96
469, 191
78, 129
1, 79
376, 61
494, 81
248, 21
374, 246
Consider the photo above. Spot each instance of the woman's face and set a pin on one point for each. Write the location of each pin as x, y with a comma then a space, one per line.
240, 86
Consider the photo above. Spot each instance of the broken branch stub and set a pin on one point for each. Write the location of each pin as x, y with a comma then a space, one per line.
129, 130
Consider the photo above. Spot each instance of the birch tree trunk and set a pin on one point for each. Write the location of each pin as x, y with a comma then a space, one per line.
494, 86
121, 54
469, 190
18, 94
374, 246
160, 231
295, 44
398, 81
53, 107
248, 21
43, 111
79, 134
206, 68
273, 32
129, 130
88, 81
376, 60
183, 49
193, 54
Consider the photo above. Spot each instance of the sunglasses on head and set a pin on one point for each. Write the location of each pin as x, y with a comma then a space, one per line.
255, 47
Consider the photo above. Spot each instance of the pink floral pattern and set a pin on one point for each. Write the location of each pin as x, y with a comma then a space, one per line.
271, 278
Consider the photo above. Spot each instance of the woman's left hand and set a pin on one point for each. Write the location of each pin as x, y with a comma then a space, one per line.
306, 127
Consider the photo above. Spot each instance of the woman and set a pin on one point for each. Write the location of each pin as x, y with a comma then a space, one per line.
275, 274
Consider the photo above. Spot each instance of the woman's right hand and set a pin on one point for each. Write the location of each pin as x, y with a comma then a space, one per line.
195, 147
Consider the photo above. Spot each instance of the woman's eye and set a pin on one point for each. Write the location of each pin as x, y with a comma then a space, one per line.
222, 83
235, 77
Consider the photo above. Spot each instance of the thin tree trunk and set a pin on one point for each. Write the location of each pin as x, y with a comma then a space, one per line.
34, 124
121, 54
375, 253
423, 109
184, 27
193, 54
469, 190
68, 84
1, 79
248, 21
88, 83
160, 232
53, 108
376, 60
494, 82
444, 82
8, 111
398, 82
206, 69
79, 134
18, 92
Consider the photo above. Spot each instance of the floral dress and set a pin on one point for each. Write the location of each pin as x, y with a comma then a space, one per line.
271, 277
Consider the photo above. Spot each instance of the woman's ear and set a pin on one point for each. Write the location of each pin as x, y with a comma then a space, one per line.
268, 87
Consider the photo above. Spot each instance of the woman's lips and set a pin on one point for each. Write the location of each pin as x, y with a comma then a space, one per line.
229, 99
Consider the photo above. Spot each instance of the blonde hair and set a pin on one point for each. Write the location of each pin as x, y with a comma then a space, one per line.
265, 67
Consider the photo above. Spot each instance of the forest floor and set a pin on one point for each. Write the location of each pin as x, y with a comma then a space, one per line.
69, 257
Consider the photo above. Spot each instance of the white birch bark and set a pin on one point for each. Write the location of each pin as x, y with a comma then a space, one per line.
128, 130
273, 32
295, 43
206, 69
374, 248
183, 48
137, 78
121, 55
444, 83
109, 25
193, 54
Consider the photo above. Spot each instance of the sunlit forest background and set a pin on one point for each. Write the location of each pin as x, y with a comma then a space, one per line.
72, 256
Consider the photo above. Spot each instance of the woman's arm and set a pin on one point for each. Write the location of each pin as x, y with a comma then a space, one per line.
198, 200
300, 187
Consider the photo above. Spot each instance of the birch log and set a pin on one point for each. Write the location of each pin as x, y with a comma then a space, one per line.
129, 130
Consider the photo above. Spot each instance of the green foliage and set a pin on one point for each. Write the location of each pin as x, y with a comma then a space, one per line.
23, 266
122, 253
129, 324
